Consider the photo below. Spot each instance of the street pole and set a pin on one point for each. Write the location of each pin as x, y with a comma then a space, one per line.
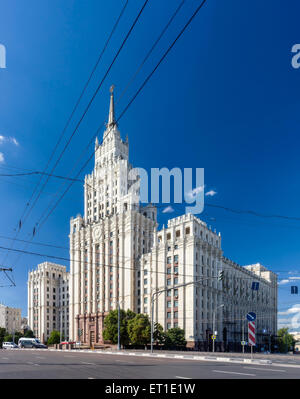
167, 289
213, 330
152, 313
243, 346
60, 324
119, 346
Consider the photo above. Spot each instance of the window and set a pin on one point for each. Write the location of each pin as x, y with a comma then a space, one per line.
169, 292
169, 281
168, 236
177, 233
169, 304
175, 304
145, 281
187, 231
175, 315
175, 269
145, 300
176, 258
176, 292
175, 280
169, 260
168, 326
168, 315
168, 270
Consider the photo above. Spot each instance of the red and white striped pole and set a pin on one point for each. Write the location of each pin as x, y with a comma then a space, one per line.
251, 335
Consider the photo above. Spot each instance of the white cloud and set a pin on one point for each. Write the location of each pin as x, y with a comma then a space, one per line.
211, 193
5, 139
193, 193
1, 157
168, 209
294, 309
14, 141
283, 282
289, 280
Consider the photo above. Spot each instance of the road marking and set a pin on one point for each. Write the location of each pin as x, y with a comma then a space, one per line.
232, 372
93, 364
32, 364
5, 358
263, 369
39, 357
91, 378
183, 378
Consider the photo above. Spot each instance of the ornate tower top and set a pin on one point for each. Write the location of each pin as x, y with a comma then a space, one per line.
111, 115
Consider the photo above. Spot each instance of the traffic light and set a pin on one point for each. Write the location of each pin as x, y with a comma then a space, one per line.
221, 276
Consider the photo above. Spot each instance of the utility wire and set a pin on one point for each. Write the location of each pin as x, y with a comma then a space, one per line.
85, 112
132, 99
91, 100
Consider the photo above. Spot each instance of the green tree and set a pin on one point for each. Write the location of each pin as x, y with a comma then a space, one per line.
139, 330
110, 332
8, 338
286, 341
29, 334
3, 333
175, 337
18, 335
159, 336
54, 338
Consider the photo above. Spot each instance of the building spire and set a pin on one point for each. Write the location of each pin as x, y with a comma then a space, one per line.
111, 116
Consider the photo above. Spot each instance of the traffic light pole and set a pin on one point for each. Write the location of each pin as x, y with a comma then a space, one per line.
220, 277
119, 346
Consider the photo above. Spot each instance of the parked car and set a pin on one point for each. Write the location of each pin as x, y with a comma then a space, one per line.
30, 343
9, 345
68, 342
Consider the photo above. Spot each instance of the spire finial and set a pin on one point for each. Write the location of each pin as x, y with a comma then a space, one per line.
111, 116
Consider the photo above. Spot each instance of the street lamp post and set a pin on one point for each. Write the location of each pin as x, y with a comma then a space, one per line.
214, 324
164, 290
119, 344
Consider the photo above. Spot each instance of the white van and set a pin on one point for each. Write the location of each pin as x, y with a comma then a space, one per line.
30, 343
9, 345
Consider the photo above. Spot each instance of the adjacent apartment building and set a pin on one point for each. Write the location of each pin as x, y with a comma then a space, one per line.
118, 256
10, 318
185, 263
48, 300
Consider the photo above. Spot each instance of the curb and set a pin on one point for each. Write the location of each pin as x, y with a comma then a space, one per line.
164, 356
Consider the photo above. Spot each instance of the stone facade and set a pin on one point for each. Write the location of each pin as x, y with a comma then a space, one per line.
119, 257
107, 242
10, 318
48, 300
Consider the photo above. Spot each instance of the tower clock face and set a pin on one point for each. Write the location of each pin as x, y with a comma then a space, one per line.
97, 233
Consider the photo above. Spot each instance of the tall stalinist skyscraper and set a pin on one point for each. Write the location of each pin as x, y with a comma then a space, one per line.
118, 256
107, 242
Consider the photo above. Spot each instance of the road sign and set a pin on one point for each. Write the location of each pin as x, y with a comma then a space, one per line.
243, 343
213, 337
251, 333
251, 316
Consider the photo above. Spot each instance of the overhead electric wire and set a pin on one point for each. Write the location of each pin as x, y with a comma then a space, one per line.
87, 107
91, 100
66, 126
132, 99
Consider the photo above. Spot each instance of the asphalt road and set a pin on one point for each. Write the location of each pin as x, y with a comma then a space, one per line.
31, 364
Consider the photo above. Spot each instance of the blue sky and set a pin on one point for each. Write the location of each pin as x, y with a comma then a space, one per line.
226, 98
